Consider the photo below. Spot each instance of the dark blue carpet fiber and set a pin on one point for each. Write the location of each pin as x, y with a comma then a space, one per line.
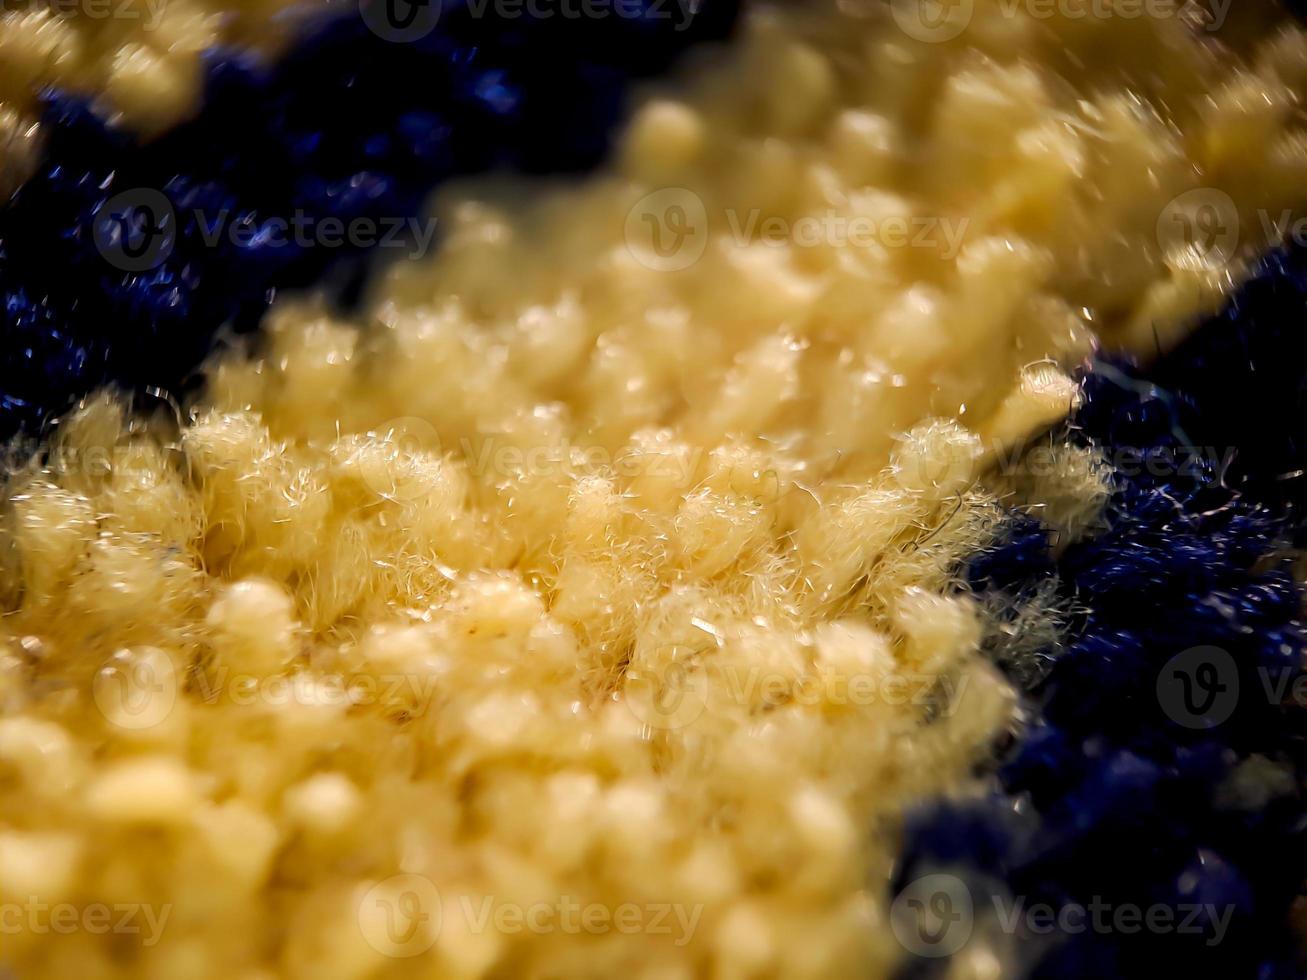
120, 260
1164, 763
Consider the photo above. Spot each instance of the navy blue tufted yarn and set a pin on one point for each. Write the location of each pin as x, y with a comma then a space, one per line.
1166, 763
119, 261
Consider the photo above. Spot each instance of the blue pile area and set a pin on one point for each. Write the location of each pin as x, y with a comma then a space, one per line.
119, 261
1166, 763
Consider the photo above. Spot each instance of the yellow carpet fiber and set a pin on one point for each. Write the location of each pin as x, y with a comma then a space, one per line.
581, 610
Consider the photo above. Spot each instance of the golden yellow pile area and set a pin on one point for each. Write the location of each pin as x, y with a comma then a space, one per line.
140, 59
583, 609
